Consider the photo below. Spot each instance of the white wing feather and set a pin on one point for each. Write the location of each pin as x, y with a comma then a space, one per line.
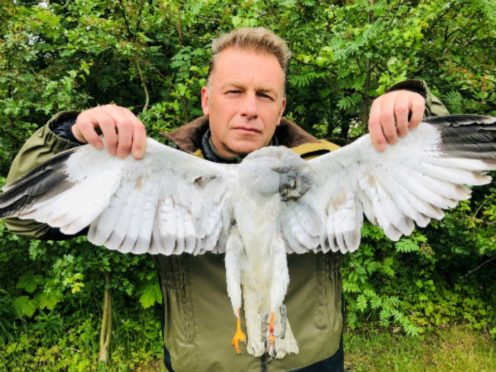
156, 205
171, 202
409, 183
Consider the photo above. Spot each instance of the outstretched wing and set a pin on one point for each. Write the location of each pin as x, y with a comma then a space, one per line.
410, 183
169, 202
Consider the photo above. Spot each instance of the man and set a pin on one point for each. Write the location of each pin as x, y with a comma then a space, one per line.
243, 103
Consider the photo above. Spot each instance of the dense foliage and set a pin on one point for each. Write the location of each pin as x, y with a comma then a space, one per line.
152, 56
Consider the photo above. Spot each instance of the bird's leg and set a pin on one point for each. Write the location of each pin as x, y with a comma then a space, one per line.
279, 286
234, 250
265, 331
284, 319
270, 337
265, 321
239, 335
272, 320
280, 339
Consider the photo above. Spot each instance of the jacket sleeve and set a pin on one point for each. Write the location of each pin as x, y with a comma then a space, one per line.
433, 105
41, 146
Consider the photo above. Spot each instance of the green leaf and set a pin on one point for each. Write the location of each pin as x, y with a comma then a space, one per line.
362, 303
24, 306
29, 282
49, 300
407, 245
150, 295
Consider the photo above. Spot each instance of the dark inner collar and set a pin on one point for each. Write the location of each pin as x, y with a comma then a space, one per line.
209, 152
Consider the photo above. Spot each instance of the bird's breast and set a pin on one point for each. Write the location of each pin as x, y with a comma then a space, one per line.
257, 224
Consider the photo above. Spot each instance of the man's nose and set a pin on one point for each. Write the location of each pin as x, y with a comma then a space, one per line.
249, 106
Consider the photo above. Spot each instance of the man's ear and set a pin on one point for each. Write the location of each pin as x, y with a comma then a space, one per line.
283, 107
204, 100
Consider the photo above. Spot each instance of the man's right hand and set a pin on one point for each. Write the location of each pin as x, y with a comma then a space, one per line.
124, 133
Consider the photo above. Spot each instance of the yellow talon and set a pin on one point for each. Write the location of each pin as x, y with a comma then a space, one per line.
239, 336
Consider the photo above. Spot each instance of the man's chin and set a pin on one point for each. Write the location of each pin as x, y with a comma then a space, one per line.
243, 149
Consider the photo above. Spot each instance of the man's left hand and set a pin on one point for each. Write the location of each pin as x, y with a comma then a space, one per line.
392, 115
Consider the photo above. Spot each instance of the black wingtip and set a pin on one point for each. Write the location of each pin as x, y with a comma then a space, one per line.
36, 184
461, 120
467, 136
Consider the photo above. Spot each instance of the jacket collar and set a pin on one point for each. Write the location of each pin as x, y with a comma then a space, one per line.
188, 137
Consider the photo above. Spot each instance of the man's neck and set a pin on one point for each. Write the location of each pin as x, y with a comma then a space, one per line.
210, 153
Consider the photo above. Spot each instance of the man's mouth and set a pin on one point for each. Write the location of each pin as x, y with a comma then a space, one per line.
247, 129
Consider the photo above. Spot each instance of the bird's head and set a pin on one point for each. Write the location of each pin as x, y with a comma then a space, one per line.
273, 170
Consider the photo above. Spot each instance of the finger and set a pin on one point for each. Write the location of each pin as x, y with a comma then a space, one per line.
138, 131
388, 120
417, 113
108, 127
137, 134
401, 111
124, 131
85, 132
375, 129
139, 141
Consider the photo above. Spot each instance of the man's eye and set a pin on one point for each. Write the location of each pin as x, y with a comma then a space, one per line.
233, 91
265, 95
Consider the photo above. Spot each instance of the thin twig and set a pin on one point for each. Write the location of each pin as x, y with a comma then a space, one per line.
126, 20
179, 28
479, 208
143, 84
478, 267
314, 65
132, 37
440, 16
138, 21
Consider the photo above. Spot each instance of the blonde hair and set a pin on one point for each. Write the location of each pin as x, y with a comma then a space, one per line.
258, 39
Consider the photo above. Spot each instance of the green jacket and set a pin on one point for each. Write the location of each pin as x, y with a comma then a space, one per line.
199, 321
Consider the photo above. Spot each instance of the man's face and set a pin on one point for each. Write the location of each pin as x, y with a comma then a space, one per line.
244, 100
